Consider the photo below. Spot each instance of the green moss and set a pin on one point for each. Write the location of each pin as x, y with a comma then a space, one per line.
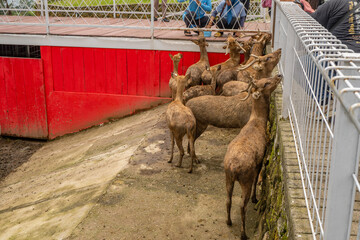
271, 204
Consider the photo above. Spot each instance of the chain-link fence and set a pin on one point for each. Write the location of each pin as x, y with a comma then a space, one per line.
130, 14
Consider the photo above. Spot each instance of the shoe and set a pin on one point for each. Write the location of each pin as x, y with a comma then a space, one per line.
155, 19
165, 19
187, 33
218, 34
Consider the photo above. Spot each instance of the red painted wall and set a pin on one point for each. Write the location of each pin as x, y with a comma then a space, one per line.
22, 99
83, 87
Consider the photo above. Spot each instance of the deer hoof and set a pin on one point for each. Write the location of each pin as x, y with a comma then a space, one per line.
229, 222
190, 171
243, 236
254, 200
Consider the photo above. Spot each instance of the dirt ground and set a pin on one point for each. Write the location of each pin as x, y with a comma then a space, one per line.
14, 152
147, 199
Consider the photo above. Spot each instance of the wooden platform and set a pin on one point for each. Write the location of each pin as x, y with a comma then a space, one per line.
106, 27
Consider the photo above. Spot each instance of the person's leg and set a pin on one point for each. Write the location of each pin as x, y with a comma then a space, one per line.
156, 7
164, 8
189, 19
221, 24
202, 22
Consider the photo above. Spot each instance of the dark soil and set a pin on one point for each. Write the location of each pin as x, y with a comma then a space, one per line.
14, 152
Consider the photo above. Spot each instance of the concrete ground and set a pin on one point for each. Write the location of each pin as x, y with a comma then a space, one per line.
113, 182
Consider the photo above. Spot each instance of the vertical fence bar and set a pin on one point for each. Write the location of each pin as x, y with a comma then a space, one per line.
152, 19
114, 6
47, 17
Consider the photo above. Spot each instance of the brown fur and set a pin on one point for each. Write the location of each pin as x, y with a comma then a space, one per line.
258, 47
181, 121
244, 156
202, 90
263, 68
198, 68
234, 60
172, 82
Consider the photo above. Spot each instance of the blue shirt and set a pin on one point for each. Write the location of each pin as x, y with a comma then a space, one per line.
236, 11
199, 10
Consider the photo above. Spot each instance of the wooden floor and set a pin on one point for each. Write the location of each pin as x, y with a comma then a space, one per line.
108, 27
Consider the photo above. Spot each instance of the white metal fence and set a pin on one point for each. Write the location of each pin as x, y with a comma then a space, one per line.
120, 14
321, 97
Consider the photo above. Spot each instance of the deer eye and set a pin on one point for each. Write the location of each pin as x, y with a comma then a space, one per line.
266, 84
268, 58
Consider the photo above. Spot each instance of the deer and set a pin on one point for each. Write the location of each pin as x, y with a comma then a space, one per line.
244, 156
234, 48
220, 111
261, 69
259, 41
199, 67
181, 121
202, 90
172, 82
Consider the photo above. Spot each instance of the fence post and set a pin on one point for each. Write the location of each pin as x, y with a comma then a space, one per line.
114, 6
152, 19
344, 163
47, 17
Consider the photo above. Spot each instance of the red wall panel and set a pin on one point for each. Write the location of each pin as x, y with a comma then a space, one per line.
22, 100
83, 87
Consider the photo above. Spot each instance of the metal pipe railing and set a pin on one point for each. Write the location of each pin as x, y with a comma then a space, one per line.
318, 70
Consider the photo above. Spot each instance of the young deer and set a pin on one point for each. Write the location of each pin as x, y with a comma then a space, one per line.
172, 82
244, 156
181, 121
198, 68
202, 90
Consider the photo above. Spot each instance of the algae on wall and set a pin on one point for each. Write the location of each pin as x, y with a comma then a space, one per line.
273, 223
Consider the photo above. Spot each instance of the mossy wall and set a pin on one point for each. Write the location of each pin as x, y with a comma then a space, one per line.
273, 224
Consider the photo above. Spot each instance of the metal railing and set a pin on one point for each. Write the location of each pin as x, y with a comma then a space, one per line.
321, 97
108, 14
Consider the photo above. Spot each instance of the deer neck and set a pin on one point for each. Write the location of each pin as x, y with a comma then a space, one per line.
213, 82
176, 66
260, 109
203, 54
179, 91
235, 56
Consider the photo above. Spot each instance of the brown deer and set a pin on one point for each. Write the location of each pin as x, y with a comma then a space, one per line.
234, 48
181, 121
244, 156
220, 111
259, 42
172, 82
202, 90
199, 67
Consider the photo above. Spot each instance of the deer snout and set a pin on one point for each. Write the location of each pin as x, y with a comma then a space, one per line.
280, 76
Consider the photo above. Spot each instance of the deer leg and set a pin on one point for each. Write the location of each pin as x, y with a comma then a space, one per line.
200, 128
229, 188
172, 147
178, 141
246, 192
192, 152
253, 198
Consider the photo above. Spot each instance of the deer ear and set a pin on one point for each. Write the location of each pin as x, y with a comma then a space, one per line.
255, 95
187, 76
171, 56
